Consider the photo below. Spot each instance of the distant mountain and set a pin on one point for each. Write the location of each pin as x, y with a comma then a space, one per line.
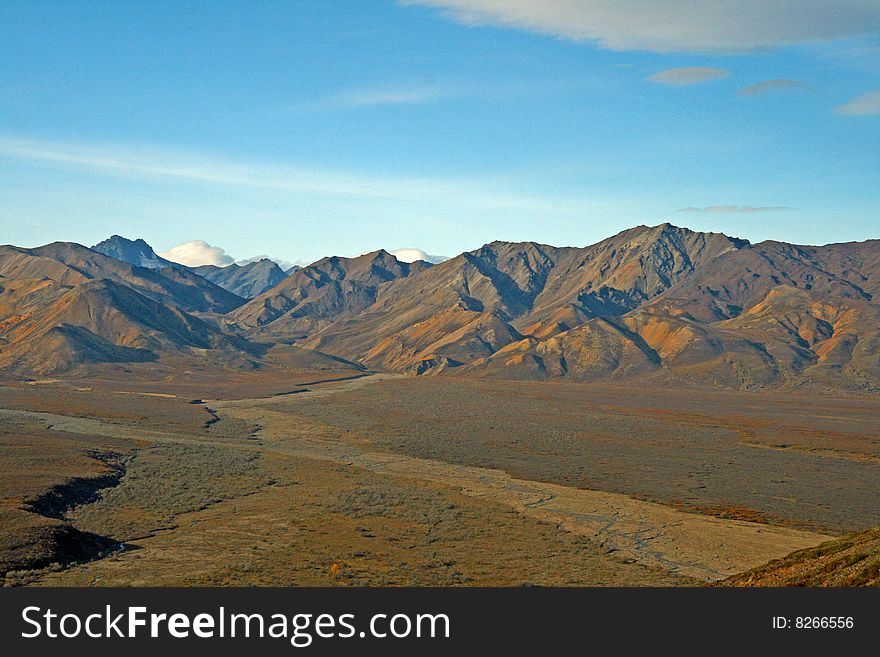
325, 291
135, 252
248, 281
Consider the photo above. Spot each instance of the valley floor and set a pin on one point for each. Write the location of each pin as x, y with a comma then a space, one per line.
390, 480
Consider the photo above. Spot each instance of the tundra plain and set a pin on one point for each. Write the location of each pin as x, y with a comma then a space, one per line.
323, 478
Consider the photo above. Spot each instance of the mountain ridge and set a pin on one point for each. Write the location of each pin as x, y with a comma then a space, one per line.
641, 302
247, 281
659, 302
135, 252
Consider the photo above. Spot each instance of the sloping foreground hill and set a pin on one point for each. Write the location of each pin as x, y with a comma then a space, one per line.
853, 560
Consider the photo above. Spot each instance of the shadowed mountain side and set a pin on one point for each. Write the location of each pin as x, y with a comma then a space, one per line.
597, 348
739, 280
661, 302
135, 252
649, 301
622, 272
448, 339
247, 281
65, 307
537, 289
101, 321
815, 336
636, 345
325, 291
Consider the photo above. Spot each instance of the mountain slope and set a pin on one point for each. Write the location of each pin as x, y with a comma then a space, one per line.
743, 278
852, 560
536, 289
663, 301
756, 317
621, 273
247, 281
323, 292
69, 263
99, 321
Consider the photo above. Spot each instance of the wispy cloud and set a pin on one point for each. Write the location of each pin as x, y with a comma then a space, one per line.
378, 97
736, 209
146, 162
770, 86
688, 75
708, 25
864, 105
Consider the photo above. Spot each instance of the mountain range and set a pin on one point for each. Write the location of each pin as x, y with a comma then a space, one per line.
246, 280
658, 303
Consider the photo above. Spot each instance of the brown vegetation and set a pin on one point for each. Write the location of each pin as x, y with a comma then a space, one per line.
853, 560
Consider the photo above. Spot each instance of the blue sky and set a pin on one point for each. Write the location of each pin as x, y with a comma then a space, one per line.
305, 129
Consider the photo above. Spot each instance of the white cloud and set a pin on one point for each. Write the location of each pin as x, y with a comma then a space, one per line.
864, 105
769, 86
707, 25
197, 252
735, 209
687, 75
411, 255
146, 162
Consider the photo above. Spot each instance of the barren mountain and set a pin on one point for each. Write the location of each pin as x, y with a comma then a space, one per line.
529, 289
247, 281
325, 291
69, 263
661, 302
63, 305
58, 326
